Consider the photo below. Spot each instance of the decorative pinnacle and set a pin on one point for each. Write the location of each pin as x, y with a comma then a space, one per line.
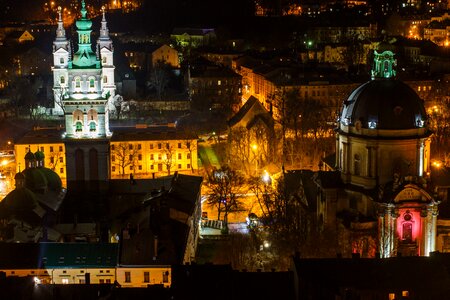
103, 12
59, 13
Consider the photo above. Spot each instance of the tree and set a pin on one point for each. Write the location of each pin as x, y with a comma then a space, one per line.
226, 186
123, 155
168, 152
54, 159
23, 95
191, 145
118, 105
60, 94
159, 78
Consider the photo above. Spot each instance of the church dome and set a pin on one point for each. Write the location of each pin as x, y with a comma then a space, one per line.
54, 182
35, 179
39, 155
384, 104
30, 156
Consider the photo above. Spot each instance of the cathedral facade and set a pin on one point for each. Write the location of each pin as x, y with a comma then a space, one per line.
383, 166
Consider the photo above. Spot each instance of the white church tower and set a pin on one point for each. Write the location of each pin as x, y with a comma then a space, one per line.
83, 84
61, 57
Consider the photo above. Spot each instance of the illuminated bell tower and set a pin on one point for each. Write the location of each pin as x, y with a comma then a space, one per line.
105, 51
85, 106
61, 57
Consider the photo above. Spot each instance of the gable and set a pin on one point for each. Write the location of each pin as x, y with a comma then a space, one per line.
412, 193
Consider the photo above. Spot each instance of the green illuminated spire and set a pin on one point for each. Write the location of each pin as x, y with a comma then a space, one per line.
384, 65
84, 57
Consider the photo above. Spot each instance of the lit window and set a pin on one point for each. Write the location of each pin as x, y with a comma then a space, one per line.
127, 277
219, 82
65, 281
92, 126
78, 127
418, 89
61, 60
77, 83
391, 296
105, 79
405, 294
62, 80
91, 83
166, 276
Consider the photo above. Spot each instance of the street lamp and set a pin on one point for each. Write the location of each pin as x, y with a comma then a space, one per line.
266, 177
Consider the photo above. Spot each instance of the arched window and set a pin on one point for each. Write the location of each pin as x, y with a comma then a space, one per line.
105, 79
91, 83
62, 80
92, 126
78, 127
77, 84
61, 60
357, 164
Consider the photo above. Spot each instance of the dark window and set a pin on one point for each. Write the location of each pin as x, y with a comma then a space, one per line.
166, 276
146, 276
357, 164
51, 148
179, 145
127, 277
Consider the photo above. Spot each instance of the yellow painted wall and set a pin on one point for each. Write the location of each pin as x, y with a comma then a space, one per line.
54, 151
150, 158
156, 276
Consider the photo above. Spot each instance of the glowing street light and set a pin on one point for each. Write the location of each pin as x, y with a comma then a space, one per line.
266, 177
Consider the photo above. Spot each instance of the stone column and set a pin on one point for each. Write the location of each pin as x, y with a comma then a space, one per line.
423, 246
369, 161
432, 223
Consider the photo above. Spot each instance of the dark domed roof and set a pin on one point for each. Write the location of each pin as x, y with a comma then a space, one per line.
39, 155
384, 104
30, 156
19, 176
53, 180
35, 179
